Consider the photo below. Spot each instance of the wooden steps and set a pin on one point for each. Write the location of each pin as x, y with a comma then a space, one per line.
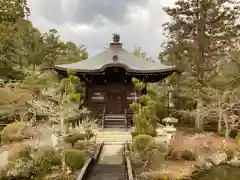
116, 121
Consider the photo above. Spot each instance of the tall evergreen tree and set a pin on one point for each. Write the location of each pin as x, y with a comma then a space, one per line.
201, 34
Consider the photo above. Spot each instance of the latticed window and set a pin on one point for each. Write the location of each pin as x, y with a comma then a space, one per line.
98, 96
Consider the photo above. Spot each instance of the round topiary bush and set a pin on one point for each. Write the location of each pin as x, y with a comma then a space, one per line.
134, 134
153, 134
75, 159
188, 155
16, 131
142, 142
230, 153
19, 151
48, 155
60, 176
89, 133
73, 138
45, 158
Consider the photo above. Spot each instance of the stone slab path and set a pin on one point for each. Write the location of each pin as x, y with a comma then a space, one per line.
110, 164
113, 137
107, 172
111, 154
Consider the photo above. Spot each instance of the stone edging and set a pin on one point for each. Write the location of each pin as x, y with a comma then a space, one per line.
84, 169
97, 154
128, 163
89, 163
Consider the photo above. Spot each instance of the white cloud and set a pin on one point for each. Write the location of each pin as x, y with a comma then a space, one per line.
143, 25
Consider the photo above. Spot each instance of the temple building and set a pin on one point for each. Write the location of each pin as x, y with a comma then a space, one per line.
108, 80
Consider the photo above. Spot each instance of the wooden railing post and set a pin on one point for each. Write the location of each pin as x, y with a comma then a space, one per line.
103, 118
125, 113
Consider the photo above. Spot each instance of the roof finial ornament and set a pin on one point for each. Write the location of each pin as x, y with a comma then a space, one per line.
115, 58
116, 37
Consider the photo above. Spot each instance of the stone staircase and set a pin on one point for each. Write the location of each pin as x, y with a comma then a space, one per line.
113, 136
110, 164
111, 154
107, 172
116, 121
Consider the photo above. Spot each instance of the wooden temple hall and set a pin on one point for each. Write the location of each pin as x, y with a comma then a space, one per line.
108, 79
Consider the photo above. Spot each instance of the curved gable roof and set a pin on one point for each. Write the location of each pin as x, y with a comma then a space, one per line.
126, 60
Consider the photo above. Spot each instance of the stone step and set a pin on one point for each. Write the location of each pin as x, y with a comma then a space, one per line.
113, 133
113, 136
107, 172
111, 154
116, 126
114, 143
113, 139
115, 116
115, 120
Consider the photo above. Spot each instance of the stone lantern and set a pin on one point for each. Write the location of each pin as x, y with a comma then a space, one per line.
170, 121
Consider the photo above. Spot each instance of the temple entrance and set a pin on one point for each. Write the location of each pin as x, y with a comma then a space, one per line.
115, 102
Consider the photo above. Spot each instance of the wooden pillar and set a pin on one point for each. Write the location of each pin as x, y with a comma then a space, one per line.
86, 94
144, 90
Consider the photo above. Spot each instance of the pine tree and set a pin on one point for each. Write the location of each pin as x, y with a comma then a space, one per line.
201, 35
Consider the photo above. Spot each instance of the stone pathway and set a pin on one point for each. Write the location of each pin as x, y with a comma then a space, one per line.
110, 164
111, 154
107, 172
113, 137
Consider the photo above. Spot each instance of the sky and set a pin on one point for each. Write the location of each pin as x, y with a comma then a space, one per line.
92, 22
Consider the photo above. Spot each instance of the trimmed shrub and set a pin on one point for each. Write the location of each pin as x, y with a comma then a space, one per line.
16, 131
134, 134
174, 155
48, 155
31, 164
89, 133
188, 155
19, 168
153, 134
142, 142
80, 145
45, 158
60, 176
20, 151
73, 138
75, 159
230, 153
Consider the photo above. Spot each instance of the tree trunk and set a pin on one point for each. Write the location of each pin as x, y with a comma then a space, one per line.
62, 117
220, 124
225, 118
198, 120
